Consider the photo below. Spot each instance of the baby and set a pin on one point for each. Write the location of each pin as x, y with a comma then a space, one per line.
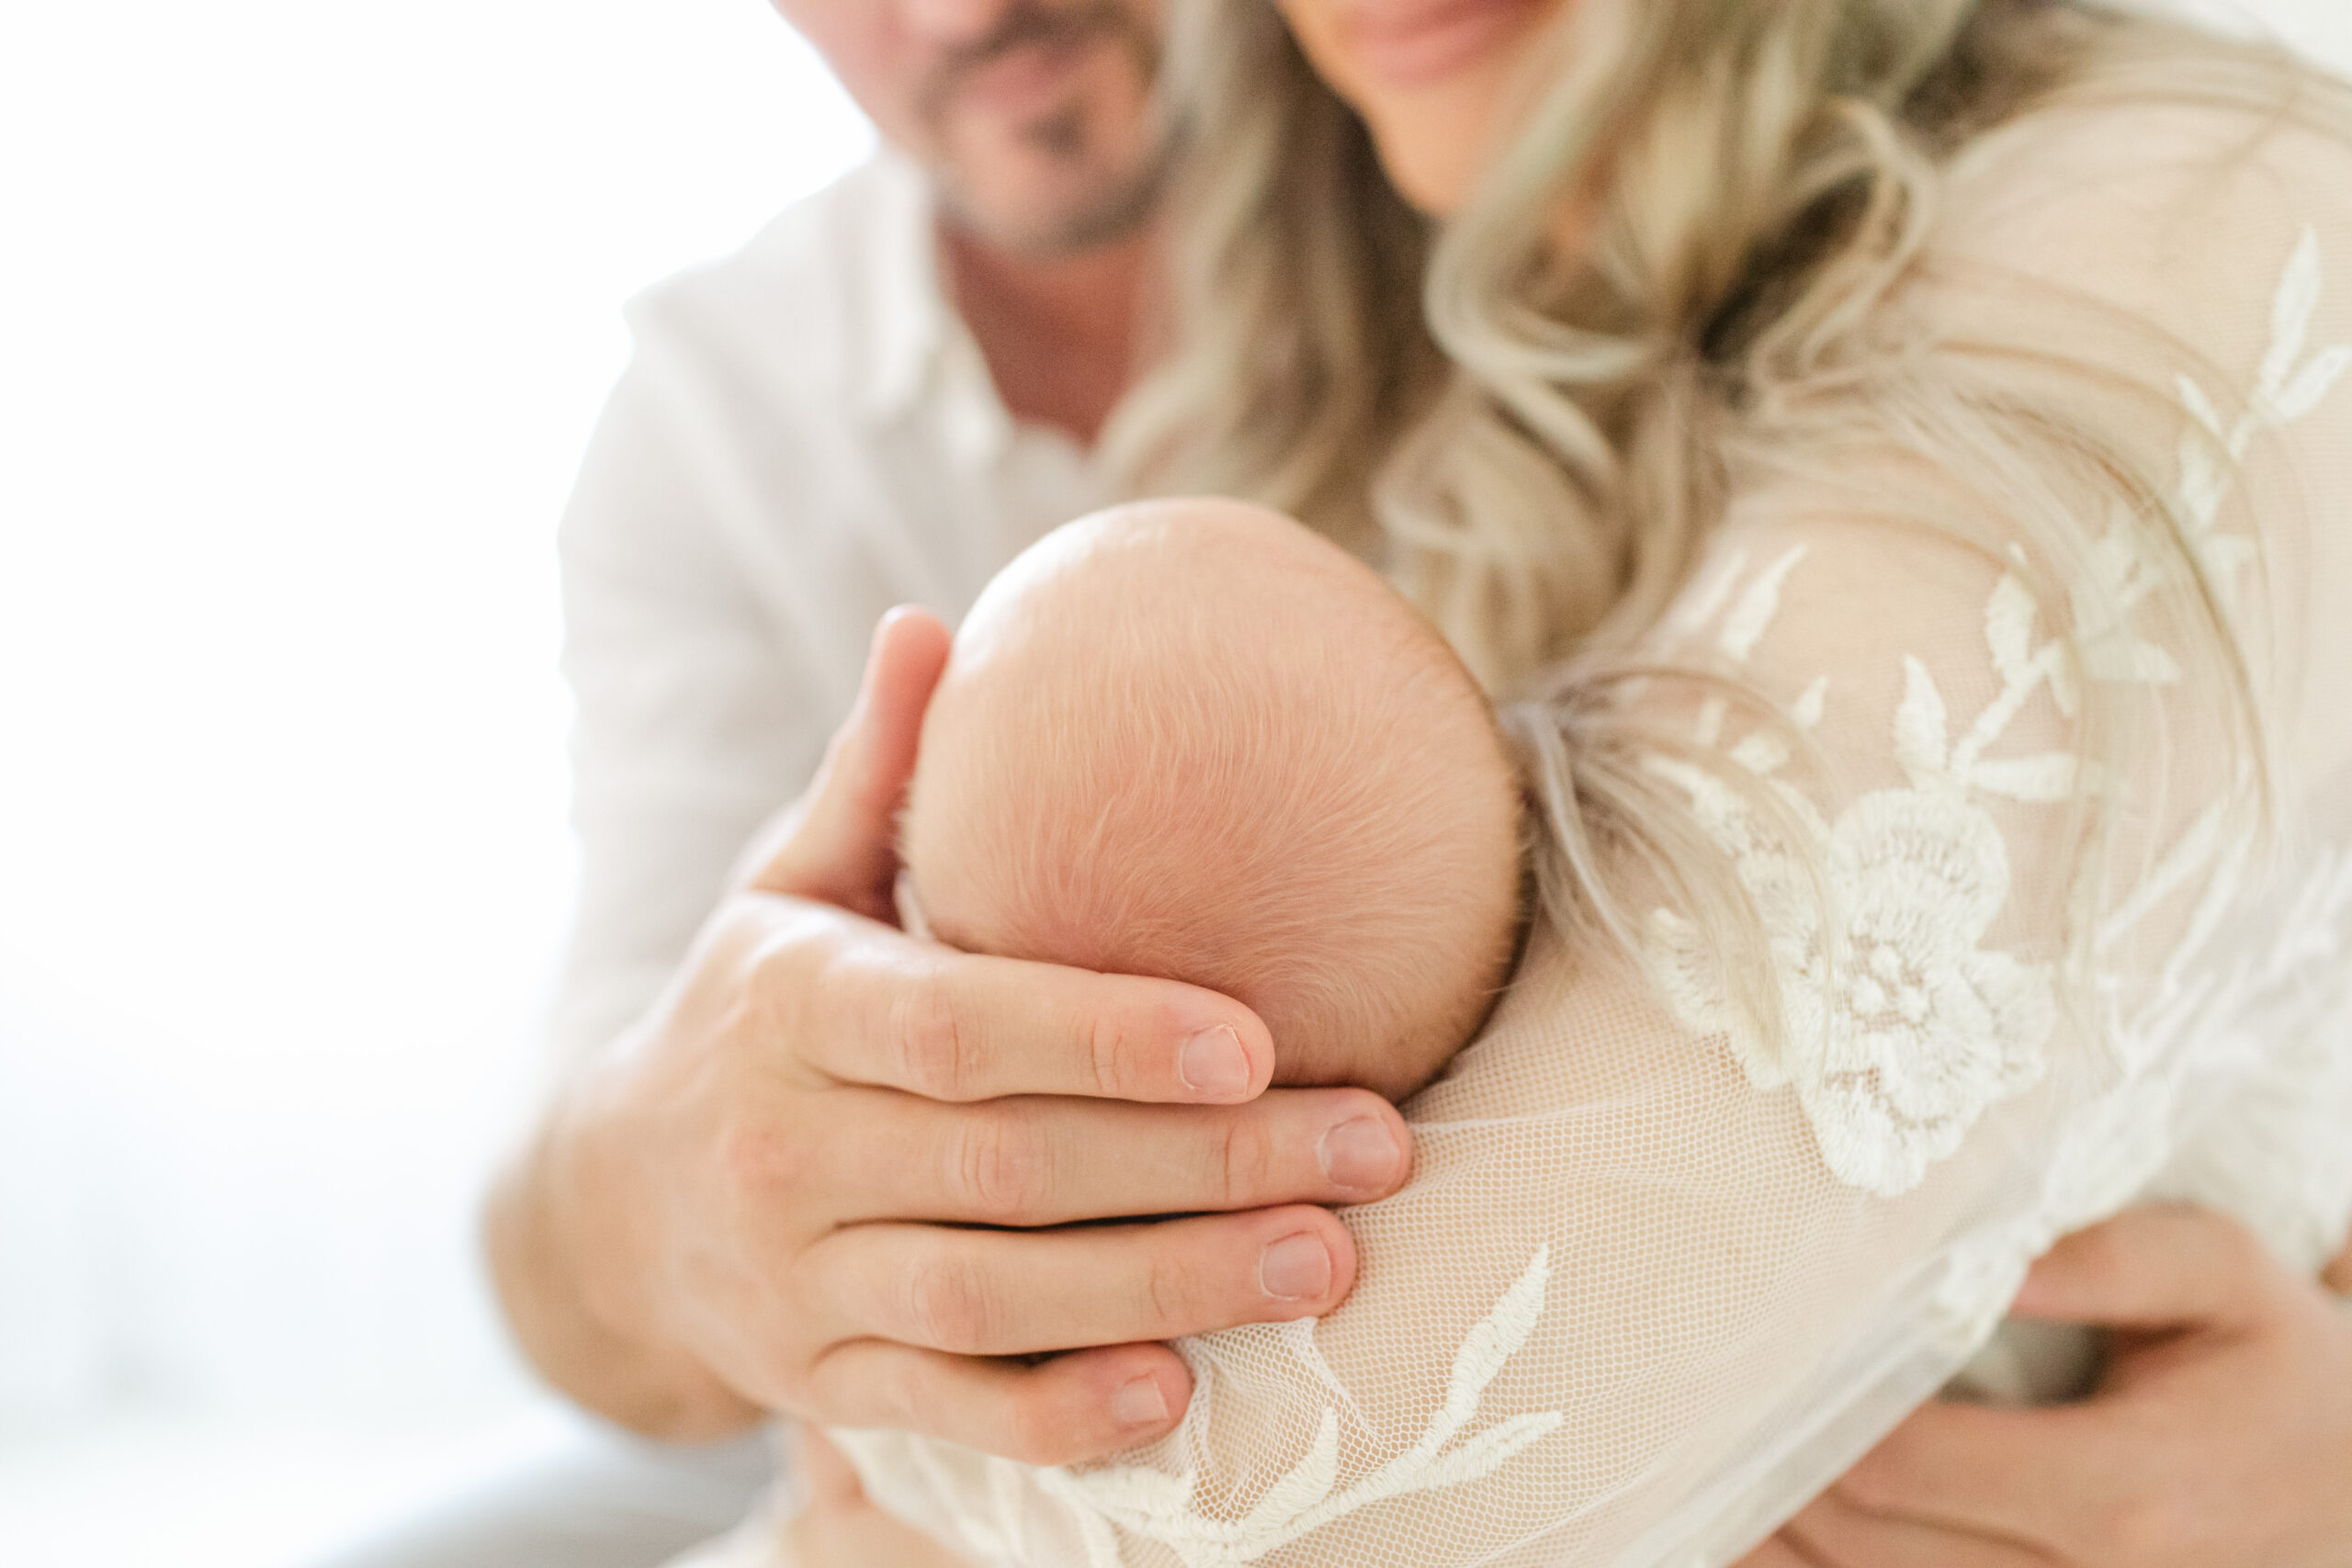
1192, 739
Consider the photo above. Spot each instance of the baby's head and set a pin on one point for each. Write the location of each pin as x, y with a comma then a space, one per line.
1192, 739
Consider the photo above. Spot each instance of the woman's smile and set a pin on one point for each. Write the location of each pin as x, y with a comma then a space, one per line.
1410, 43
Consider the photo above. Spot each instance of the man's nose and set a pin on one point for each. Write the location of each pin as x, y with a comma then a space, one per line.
957, 22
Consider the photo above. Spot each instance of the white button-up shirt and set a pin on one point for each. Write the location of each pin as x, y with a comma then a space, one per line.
806, 435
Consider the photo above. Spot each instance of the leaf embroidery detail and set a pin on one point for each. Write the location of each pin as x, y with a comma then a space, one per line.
1900, 1029
1157, 1506
1744, 628
2288, 387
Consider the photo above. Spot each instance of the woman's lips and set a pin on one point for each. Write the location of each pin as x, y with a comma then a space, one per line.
1410, 43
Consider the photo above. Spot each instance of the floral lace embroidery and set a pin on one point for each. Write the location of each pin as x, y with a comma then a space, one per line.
1158, 1506
1901, 1029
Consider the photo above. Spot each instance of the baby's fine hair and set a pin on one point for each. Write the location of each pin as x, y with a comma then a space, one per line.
1193, 740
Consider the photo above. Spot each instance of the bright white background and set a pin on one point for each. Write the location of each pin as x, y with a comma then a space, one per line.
305, 309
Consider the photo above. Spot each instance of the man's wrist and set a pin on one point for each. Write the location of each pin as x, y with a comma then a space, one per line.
535, 1242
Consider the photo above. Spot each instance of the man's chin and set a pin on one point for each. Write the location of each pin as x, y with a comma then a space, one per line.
1053, 212
1071, 175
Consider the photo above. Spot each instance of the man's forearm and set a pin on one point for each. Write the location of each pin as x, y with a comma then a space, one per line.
2339, 1273
535, 1240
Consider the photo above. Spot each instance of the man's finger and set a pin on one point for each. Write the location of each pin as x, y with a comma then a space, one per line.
1032, 1162
837, 844
2165, 1266
1071, 1408
982, 1293
1987, 1471
824, 1477
1833, 1533
957, 1027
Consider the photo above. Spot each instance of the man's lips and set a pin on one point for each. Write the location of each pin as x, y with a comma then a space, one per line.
1025, 82
1410, 43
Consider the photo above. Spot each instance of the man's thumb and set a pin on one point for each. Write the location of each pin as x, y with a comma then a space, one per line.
836, 843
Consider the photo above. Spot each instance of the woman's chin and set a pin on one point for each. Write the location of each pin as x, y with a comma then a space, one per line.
1434, 172
1430, 78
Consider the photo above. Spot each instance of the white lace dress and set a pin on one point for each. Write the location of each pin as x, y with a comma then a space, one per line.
1655, 1283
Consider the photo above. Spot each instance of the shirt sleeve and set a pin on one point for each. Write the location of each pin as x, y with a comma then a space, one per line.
1662, 1274
697, 715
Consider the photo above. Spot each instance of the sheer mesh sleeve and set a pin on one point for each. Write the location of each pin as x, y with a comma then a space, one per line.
1661, 1276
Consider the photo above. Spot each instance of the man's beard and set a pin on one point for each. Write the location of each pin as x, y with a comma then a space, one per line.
1127, 195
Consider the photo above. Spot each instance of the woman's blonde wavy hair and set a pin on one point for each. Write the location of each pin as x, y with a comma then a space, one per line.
1537, 448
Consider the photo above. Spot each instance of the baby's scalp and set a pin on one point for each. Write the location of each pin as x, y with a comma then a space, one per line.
1194, 740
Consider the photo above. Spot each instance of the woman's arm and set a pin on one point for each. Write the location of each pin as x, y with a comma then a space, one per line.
2219, 1439
1660, 1276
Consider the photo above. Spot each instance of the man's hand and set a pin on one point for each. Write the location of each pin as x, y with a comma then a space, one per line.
2219, 1435
838, 1527
828, 1177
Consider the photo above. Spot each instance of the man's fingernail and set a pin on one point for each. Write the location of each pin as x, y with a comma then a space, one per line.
1213, 1062
1295, 1269
1362, 1153
1139, 1404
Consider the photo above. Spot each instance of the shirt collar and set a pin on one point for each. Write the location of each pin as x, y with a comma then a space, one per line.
917, 349
906, 314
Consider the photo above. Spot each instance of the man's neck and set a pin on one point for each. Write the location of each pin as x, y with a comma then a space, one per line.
1058, 332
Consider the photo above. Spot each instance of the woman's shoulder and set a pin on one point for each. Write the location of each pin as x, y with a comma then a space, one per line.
2178, 194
